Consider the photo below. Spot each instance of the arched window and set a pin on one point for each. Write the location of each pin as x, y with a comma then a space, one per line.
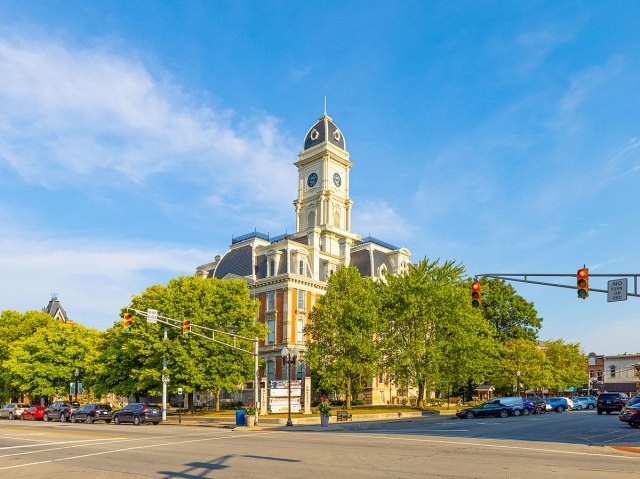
311, 219
336, 219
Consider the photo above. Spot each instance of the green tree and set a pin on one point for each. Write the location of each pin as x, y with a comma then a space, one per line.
511, 314
343, 327
43, 364
566, 365
132, 363
525, 356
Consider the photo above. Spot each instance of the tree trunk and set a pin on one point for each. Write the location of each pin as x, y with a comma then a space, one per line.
137, 397
348, 405
217, 393
420, 402
469, 390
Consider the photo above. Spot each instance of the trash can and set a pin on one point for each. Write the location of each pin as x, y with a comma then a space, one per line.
240, 417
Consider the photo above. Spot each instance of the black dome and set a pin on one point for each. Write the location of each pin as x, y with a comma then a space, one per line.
324, 130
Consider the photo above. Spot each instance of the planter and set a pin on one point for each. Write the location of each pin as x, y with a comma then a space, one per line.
251, 421
324, 420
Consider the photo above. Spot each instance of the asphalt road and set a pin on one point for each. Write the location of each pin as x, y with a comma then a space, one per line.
568, 445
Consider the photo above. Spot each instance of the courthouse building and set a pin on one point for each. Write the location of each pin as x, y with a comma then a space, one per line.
289, 272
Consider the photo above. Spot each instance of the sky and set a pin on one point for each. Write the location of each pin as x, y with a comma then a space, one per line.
137, 138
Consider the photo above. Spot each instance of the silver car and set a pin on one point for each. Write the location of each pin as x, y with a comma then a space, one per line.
13, 410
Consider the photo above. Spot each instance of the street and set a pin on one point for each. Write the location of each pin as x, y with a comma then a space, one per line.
576, 444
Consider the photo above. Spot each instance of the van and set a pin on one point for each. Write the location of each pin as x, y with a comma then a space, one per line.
516, 404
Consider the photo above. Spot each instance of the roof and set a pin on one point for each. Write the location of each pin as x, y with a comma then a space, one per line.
324, 131
55, 310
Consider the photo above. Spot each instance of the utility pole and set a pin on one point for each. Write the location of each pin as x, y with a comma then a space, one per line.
164, 383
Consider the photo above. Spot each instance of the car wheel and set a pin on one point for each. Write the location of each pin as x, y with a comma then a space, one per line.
516, 412
599, 411
46, 418
22, 417
11, 417
504, 413
108, 421
608, 412
579, 407
116, 420
559, 409
525, 412
88, 420
136, 420
590, 407
63, 417
469, 415
33, 417
72, 419
155, 423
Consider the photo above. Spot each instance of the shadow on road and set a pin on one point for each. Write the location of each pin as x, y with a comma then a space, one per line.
202, 470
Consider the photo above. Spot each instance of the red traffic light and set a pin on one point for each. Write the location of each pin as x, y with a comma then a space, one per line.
186, 328
582, 277
475, 294
127, 322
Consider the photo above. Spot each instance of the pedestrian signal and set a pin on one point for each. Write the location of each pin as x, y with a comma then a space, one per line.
186, 328
475, 294
127, 323
583, 283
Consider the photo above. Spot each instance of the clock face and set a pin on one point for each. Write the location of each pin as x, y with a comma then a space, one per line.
312, 180
336, 179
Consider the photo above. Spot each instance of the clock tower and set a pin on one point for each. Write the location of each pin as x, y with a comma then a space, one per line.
323, 206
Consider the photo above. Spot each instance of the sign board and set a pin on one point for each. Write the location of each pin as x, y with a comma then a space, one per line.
282, 404
295, 384
152, 316
165, 378
280, 393
179, 391
617, 290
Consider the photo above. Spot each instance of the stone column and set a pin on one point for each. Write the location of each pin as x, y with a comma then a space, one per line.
307, 395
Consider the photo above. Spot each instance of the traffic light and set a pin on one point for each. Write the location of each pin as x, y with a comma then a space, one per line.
475, 294
186, 328
127, 323
583, 283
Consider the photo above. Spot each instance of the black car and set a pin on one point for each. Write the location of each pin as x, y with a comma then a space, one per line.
138, 413
631, 412
485, 410
608, 402
60, 410
92, 412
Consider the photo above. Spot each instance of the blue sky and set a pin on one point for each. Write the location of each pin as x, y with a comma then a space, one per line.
136, 138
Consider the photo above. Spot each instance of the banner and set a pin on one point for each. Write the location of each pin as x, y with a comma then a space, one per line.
278, 393
295, 384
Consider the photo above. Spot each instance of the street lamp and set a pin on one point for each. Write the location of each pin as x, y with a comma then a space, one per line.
76, 373
518, 383
289, 359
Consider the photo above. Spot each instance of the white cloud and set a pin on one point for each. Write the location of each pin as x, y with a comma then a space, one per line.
378, 219
76, 115
94, 278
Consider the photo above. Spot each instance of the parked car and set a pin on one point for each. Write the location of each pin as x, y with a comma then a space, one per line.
557, 404
495, 409
90, 413
138, 413
516, 404
631, 412
13, 410
33, 413
60, 410
570, 403
535, 406
608, 402
584, 402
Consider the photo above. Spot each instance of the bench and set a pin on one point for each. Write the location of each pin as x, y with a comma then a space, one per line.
343, 416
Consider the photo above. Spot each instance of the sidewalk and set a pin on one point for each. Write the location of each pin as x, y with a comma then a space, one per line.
313, 422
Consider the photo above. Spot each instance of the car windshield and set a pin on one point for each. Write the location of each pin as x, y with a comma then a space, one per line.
634, 400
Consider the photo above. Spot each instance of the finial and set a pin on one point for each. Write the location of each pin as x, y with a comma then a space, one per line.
325, 105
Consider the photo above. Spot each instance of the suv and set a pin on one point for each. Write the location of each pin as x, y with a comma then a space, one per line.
137, 413
60, 410
608, 402
90, 413
13, 410
557, 404
584, 402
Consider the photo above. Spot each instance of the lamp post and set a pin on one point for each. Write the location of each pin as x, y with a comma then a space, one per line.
289, 358
76, 373
518, 383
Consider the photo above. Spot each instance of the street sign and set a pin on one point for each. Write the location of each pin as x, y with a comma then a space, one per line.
165, 378
179, 391
152, 316
617, 290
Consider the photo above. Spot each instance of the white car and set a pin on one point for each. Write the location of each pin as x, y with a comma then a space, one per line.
13, 410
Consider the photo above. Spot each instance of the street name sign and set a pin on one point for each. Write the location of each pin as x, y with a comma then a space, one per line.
152, 316
617, 290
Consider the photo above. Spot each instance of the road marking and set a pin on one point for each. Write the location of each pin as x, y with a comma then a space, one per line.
22, 439
68, 433
128, 449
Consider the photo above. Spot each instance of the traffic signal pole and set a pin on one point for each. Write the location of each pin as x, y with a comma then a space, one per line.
524, 278
164, 383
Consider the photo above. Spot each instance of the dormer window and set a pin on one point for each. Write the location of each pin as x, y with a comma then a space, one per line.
272, 268
301, 267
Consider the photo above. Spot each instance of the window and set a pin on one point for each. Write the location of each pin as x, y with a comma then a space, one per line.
272, 268
612, 371
311, 219
299, 331
301, 368
271, 370
301, 267
271, 338
271, 300
300, 299
600, 376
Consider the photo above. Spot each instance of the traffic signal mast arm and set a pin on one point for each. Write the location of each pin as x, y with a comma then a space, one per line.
525, 279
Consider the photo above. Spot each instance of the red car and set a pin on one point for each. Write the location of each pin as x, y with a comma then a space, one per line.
33, 413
